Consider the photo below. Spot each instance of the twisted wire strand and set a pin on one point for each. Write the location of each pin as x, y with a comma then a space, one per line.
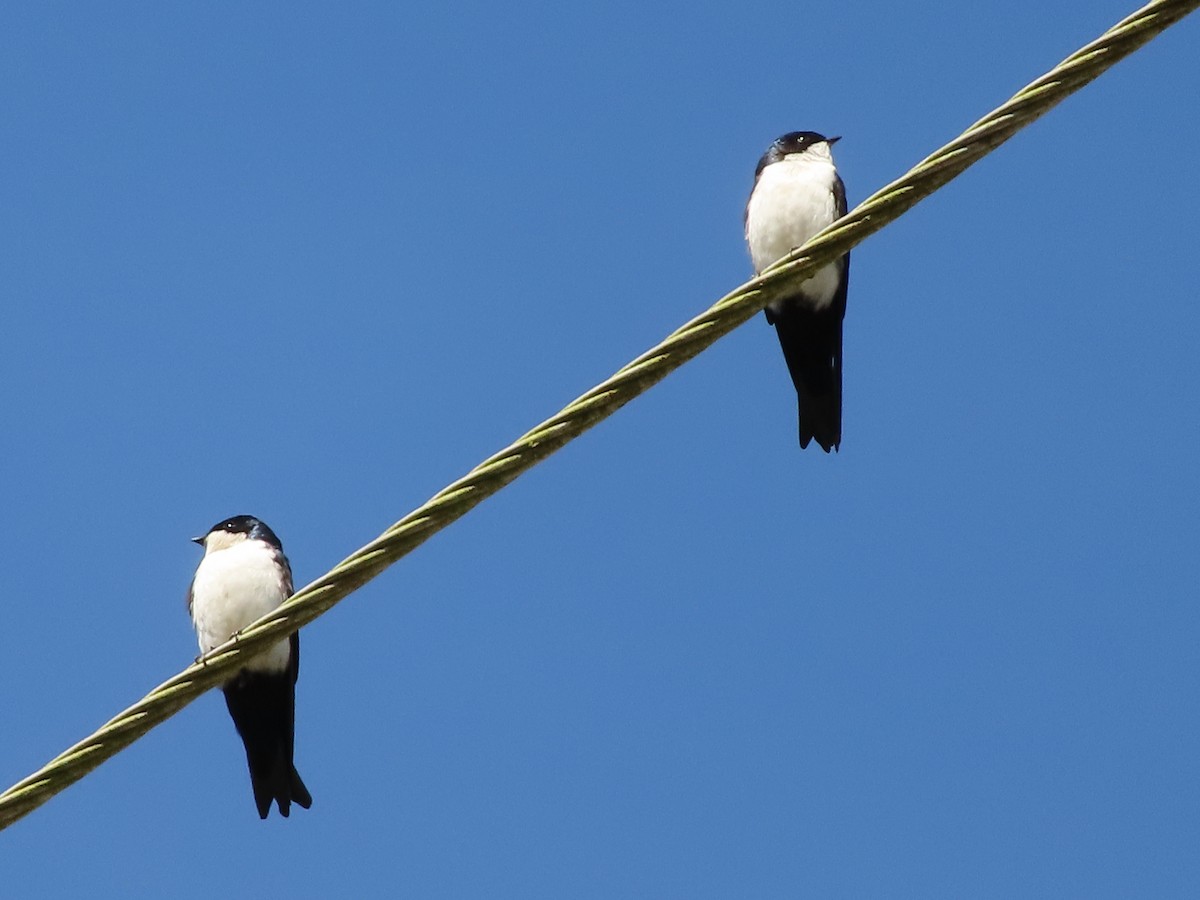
454, 501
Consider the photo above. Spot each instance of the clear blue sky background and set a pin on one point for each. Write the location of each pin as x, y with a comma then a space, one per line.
312, 262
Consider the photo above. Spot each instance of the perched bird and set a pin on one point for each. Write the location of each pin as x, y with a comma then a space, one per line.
797, 192
242, 577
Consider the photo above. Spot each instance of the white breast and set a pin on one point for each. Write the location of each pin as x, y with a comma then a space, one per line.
791, 202
232, 588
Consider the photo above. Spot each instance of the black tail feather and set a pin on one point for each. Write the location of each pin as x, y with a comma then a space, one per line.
812, 345
262, 705
300, 793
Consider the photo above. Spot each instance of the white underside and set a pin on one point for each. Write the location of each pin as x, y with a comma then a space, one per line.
792, 201
232, 588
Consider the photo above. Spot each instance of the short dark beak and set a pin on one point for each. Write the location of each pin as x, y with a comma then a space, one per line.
833, 140
198, 540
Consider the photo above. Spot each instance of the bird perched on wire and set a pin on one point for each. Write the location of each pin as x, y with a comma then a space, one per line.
797, 192
242, 577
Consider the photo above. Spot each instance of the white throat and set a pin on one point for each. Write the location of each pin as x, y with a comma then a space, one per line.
234, 585
793, 200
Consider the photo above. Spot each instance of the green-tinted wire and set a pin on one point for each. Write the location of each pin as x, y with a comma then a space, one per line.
881, 208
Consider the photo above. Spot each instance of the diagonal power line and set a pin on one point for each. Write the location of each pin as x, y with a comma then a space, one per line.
454, 501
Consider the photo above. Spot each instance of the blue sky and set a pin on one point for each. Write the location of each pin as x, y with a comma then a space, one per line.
313, 262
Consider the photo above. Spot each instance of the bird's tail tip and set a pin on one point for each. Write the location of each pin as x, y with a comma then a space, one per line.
828, 437
283, 792
300, 794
